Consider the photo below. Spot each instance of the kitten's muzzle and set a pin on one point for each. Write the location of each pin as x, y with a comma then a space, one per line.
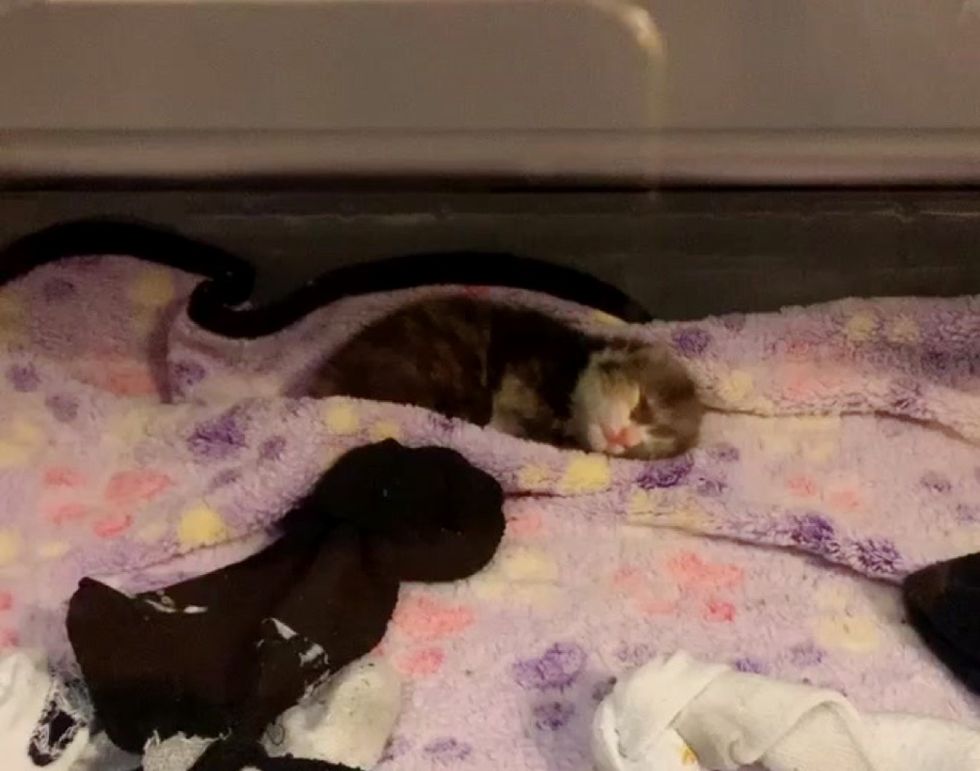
621, 439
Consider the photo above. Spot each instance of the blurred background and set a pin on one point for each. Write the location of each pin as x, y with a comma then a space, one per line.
705, 155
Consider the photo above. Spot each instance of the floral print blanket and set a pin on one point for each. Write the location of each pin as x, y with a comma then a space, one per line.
840, 456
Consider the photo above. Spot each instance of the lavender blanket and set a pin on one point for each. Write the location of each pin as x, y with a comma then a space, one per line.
137, 445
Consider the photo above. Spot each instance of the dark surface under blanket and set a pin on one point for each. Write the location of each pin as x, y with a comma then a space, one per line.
227, 652
681, 253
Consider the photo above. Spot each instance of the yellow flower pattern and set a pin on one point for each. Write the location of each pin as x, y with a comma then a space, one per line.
861, 327
534, 477
52, 550
21, 442
201, 526
385, 429
736, 387
903, 330
585, 474
153, 288
519, 573
10, 546
843, 624
341, 418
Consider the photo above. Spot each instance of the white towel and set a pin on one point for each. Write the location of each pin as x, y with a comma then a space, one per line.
679, 714
348, 720
28, 694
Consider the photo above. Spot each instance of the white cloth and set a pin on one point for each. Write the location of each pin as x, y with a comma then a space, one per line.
102, 755
26, 690
348, 720
175, 753
679, 714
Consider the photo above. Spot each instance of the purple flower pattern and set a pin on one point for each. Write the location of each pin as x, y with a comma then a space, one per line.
936, 482
64, 408
634, 655
186, 374
23, 377
272, 448
806, 655
557, 668
224, 478
815, 533
733, 322
447, 751
665, 473
878, 556
440, 423
219, 438
57, 289
723, 452
750, 665
395, 748
968, 512
938, 364
711, 487
691, 341
553, 715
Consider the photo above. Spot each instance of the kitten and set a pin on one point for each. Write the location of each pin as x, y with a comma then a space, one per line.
524, 374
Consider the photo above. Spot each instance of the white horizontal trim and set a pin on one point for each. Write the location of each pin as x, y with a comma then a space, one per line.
743, 157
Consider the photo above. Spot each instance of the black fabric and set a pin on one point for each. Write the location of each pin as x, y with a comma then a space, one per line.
234, 755
219, 304
943, 604
118, 237
227, 652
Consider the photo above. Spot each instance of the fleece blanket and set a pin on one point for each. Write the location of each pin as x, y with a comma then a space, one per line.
136, 444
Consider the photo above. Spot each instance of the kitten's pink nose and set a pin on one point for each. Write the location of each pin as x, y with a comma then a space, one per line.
616, 437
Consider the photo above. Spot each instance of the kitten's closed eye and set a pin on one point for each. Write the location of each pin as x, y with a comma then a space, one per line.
643, 411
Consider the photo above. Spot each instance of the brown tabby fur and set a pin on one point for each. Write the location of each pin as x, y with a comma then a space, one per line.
470, 359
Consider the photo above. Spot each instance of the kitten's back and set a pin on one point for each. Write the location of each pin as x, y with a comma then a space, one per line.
432, 354
456, 354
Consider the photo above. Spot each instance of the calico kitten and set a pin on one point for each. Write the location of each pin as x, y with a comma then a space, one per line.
522, 373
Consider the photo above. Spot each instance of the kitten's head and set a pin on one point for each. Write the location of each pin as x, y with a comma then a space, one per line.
635, 401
